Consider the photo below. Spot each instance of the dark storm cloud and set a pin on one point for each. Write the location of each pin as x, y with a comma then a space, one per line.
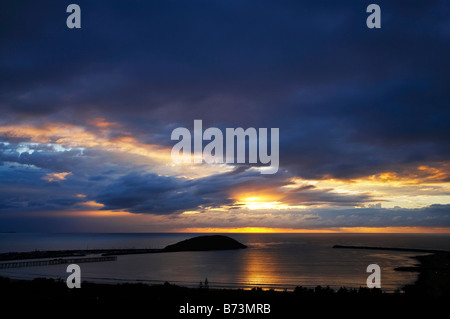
153, 194
430, 216
349, 101
23, 189
139, 192
28, 181
311, 196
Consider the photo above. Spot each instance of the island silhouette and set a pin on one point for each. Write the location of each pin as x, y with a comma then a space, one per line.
204, 243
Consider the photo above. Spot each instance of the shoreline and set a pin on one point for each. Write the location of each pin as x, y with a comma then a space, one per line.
433, 280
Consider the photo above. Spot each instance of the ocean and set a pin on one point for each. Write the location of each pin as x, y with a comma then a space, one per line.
277, 261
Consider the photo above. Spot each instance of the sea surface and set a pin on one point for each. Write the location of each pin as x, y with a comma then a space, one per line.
278, 261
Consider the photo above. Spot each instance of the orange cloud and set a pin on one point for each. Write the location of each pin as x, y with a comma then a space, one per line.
55, 177
416, 187
415, 175
92, 204
103, 123
123, 146
69, 135
99, 213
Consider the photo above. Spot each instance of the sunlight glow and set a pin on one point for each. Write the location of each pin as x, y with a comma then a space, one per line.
387, 230
419, 187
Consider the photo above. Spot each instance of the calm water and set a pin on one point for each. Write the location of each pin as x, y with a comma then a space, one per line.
277, 261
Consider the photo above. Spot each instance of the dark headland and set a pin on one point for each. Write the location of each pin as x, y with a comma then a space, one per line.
204, 243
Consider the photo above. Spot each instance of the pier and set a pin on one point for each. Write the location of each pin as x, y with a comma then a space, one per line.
56, 261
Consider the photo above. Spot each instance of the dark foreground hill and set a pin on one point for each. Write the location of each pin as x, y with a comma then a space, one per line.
202, 243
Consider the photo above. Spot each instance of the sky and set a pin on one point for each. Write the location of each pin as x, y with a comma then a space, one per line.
86, 115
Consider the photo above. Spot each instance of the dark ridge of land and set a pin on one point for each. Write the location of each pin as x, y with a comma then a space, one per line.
392, 249
434, 276
201, 243
204, 243
51, 289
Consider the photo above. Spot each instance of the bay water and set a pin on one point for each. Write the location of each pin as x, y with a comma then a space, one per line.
277, 261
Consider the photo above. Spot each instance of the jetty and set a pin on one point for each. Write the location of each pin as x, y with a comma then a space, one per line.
56, 261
